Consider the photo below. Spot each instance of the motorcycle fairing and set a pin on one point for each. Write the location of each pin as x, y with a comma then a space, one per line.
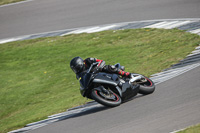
85, 80
102, 78
129, 90
109, 79
105, 78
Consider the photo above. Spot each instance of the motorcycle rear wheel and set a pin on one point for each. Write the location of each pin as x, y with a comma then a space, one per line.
110, 100
147, 87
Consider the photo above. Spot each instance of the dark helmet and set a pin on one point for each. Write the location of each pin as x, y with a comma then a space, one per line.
77, 64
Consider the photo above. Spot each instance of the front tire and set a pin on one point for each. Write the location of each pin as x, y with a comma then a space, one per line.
110, 100
147, 87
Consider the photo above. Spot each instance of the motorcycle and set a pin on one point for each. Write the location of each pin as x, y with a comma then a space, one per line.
111, 89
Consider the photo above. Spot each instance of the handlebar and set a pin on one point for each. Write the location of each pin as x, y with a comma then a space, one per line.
93, 64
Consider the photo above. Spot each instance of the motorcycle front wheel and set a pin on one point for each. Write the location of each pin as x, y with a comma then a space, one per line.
106, 97
146, 87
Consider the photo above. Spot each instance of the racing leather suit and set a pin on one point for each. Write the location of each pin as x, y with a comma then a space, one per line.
105, 68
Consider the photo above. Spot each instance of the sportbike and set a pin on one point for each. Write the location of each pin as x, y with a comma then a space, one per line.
111, 89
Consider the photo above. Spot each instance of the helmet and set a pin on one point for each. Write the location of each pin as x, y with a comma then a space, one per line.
77, 64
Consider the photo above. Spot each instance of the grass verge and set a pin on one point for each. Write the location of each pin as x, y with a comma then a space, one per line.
3, 2
36, 80
193, 129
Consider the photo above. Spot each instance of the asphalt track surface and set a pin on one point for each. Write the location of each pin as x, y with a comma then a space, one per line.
174, 105
36, 16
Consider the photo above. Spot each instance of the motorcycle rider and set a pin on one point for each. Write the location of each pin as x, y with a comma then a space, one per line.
78, 65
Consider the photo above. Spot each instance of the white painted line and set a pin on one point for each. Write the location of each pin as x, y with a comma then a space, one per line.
76, 111
90, 30
167, 75
167, 24
54, 118
102, 29
169, 71
178, 130
197, 48
155, 25
192, 54
178, 24
81, 31
11, 4
26, 129
196, 51
87, 30
60, 116
165, 78
195, 31
9, 40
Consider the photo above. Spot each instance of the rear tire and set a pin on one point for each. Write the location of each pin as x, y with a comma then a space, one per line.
147, 87
111, 100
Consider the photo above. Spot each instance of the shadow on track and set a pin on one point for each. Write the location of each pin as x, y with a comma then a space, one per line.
87, 110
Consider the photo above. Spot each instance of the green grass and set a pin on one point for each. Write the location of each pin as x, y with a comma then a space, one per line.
36, 80
3, 2
193, 129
